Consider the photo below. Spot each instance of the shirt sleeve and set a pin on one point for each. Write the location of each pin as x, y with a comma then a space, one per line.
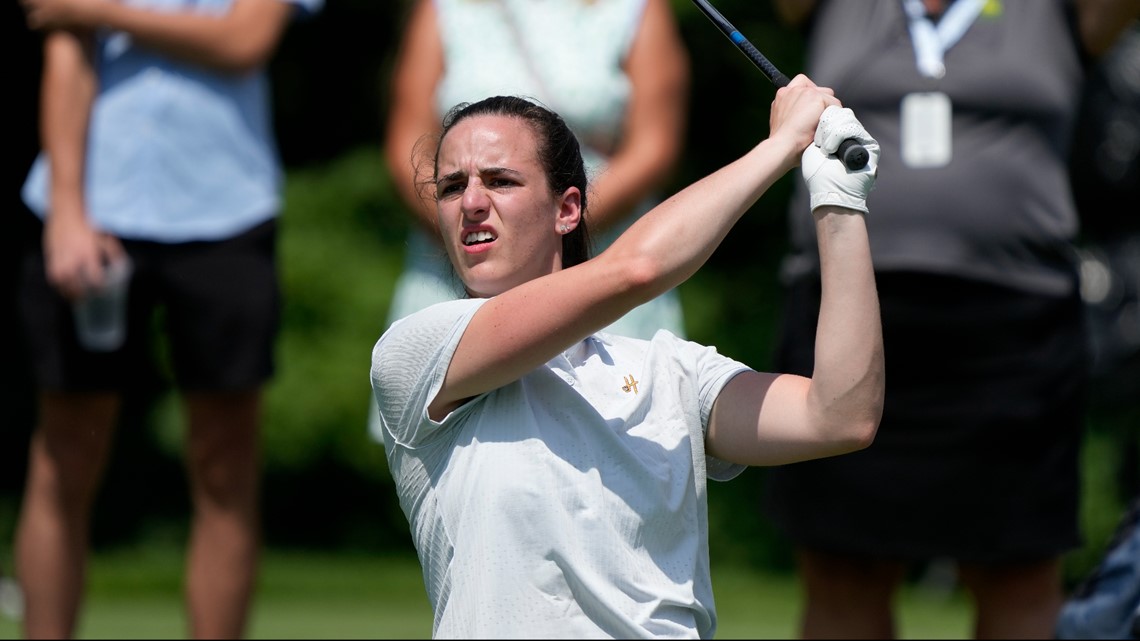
713, 371
408, 365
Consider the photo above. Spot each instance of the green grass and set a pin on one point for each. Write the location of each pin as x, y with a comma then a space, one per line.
135, 594
754, 605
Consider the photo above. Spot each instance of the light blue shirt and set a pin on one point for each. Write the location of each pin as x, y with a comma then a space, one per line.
175, 152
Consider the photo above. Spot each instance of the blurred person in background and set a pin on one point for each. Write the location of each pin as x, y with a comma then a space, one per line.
1105, 167
157, 148
976, 461
617, 71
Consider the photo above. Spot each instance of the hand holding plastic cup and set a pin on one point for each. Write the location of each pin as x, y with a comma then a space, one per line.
101, 315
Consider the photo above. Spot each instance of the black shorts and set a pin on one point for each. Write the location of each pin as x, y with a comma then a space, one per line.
977, 453
216, 302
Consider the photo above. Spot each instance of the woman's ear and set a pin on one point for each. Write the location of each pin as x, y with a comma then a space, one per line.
569, 210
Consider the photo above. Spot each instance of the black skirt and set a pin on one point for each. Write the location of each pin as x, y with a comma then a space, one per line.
977, 454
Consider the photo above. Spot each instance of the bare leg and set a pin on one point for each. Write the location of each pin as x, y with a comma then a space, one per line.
66, 459
1015, 601
848, 597
224, 469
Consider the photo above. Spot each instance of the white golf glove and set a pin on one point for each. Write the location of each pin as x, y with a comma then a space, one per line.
829, 181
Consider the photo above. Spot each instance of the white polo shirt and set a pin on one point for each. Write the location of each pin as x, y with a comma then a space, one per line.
569, 503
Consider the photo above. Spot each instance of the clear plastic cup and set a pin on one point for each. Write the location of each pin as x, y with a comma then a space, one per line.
101, 315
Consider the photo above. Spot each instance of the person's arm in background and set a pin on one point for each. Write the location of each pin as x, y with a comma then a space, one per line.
74, 251
417, 70
1101, 22
240, 40
653, 131
794, 12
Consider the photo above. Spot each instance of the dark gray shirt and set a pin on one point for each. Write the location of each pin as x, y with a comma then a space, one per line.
1000, 210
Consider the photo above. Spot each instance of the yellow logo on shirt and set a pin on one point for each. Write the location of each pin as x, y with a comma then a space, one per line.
630, 384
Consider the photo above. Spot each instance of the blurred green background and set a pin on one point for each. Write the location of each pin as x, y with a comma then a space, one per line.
326, 488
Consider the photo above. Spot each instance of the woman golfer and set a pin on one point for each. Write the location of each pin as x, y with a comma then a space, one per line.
554, 475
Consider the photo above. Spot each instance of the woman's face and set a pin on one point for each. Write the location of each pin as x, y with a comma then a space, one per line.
497, 217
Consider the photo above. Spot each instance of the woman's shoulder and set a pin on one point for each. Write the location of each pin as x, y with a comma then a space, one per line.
428, 325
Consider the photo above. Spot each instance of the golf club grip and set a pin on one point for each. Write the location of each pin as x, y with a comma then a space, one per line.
853, 154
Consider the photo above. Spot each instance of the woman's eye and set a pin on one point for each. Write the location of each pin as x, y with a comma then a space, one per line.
444, 190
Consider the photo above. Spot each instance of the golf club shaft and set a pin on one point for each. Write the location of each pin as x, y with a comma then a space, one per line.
853, 154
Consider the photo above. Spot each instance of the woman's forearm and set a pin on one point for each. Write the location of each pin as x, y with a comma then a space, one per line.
668, 244
239, 40
68, 90
846, 393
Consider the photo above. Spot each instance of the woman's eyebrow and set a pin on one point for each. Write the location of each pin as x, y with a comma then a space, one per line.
455, 175
488, 171
499, 171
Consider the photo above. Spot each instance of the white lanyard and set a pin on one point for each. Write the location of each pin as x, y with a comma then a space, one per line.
932, 42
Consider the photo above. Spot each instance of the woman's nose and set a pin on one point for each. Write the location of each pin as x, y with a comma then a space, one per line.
475, 199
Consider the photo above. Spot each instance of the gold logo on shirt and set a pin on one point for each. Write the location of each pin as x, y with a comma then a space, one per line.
630, 384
